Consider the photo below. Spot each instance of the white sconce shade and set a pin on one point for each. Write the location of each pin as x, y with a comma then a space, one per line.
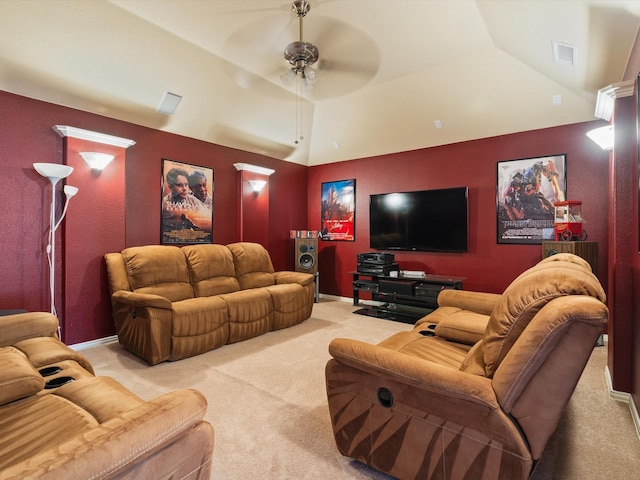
257, 185
53, 171
95, 160
70, 191
603, 136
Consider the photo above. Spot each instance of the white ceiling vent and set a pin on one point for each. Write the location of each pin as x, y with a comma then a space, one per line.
168, 103
564, 53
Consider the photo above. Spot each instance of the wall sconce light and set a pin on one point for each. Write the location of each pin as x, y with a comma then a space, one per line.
97, 161
55, 172
257, 185
603, 136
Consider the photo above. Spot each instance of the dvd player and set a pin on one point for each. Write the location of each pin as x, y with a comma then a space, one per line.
382, 270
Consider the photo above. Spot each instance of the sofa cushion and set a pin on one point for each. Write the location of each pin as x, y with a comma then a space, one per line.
18, 378
250, 313
38, 423
159, 270
431, 348
462, 326
199, 325
211, 268
291, 304
526, 295
252, 265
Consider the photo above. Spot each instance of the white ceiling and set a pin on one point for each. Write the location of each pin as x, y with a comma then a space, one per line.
388, 69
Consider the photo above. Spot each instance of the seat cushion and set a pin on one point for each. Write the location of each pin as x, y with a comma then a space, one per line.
427, 347
40, 422
159, 270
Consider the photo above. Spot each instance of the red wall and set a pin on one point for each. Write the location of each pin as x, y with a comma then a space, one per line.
90, 230
253, 208
27, 137
487, 265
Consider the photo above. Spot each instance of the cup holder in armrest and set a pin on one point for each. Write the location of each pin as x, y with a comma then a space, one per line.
48, 371
58, 382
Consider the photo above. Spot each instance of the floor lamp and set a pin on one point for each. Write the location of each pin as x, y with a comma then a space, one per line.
55, 172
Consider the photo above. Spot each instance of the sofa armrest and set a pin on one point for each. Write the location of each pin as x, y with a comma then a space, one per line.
293, 277
414, 372
141, 299
21, 326
136, 443
477, 302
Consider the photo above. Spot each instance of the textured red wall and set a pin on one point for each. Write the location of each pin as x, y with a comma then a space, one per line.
27, 137
94, 225
254, 208
487, 265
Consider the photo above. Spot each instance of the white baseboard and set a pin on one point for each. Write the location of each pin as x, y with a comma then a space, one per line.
623, 397
94, 343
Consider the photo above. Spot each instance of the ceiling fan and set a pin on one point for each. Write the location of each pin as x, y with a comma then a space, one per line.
300, 54
257, 52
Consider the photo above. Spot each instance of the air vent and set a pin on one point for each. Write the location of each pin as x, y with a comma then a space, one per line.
564, 53
168, 103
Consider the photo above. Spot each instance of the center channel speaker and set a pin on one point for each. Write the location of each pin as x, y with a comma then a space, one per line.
306, 255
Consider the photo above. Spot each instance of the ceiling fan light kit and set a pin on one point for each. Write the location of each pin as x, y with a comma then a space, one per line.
300, 54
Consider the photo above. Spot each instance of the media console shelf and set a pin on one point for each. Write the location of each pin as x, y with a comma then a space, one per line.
404, 299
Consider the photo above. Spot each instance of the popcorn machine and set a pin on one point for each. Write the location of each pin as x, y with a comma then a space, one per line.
568, 221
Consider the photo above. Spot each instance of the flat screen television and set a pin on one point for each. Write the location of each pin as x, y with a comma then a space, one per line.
426, 220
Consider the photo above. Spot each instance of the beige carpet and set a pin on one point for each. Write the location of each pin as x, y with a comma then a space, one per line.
268, 405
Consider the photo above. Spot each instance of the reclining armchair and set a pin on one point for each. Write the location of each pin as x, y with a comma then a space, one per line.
477, 387
60, 421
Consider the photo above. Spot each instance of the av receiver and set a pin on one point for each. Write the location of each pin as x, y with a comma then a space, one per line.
376, 258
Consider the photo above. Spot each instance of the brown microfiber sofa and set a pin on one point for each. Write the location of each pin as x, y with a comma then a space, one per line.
171, 302
477, 387
91, 427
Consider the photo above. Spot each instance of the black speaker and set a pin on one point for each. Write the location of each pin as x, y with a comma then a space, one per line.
306, 255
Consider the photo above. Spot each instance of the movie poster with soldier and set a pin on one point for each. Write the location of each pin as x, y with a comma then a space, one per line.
338, 210
526, 192
186, 204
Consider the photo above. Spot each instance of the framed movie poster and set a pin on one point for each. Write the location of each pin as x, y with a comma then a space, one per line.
338, 218
525, 195
186, 203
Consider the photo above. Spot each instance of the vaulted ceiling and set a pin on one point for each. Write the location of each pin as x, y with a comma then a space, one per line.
393, 75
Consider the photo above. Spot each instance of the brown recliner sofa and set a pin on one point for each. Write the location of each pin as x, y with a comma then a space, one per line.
59, 421
477, 387
171, 303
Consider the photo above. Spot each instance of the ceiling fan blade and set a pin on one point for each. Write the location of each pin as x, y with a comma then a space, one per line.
349, 58
233, 7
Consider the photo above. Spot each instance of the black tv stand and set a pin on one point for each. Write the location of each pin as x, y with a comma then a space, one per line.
403, 299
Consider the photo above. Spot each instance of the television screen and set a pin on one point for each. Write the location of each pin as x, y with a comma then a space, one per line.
427, 220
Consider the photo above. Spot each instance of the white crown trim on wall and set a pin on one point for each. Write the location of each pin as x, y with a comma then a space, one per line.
253, 168
66, 131
608, 95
